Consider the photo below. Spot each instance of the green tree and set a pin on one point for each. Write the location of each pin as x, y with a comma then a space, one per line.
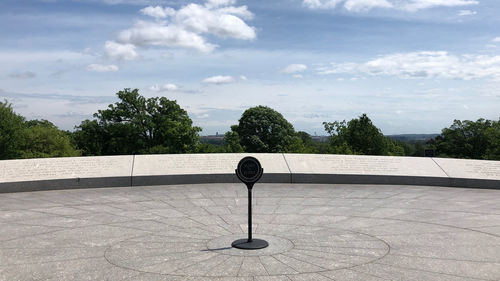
232, 140
409, 148
262, 129
364, 137
338, 137
11, 130
394, 148
360, 136
136, 125
210, 148
90, 138
493, 134
43, 139
305, 137
468, 139
302, 143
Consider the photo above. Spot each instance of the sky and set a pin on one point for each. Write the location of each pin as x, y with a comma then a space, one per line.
413, 66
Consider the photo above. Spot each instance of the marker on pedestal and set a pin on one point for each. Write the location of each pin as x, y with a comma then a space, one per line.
249, 171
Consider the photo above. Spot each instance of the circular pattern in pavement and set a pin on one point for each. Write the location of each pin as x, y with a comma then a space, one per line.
305, 249
315, 232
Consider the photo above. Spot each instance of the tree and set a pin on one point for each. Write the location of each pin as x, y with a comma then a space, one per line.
11, 130
364, 137
394, 148
360, 136
493, 134
232, 140
210, 148
468, 139
31, 139
138, 125
262, 129
90, 138
338, 140
302, 143
43, 139
305, 137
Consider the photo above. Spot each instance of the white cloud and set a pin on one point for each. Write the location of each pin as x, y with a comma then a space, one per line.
497, 39
156, 34
201, 19
321, 4
463, 13
158, 12
365, 5
298, 76
218, 3
102, 68
423, 65
164, 88
188, 26
219, 80
416, 5
407, 5
241, 11
337, 68
294, 68
243, 77
120, 51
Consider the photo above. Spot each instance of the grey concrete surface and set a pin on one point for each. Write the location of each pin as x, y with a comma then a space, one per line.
316, 232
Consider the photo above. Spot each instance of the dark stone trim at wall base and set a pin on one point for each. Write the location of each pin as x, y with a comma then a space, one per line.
205, 178
59, 184
369, 179
103, 182
475, 183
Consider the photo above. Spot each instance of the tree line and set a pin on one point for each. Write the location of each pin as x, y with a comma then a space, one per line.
139, 125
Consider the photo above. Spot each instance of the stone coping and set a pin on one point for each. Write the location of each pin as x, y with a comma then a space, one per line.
145, 170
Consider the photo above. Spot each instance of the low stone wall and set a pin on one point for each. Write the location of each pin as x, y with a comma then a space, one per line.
142, 170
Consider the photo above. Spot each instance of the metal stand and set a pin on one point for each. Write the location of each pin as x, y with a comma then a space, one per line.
250, 243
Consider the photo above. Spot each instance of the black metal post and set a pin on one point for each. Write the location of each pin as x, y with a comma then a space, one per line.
250, 214
249, 171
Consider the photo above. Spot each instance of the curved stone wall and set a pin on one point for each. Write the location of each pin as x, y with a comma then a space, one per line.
142, 170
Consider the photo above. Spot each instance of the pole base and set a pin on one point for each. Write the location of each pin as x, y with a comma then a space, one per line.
255, 244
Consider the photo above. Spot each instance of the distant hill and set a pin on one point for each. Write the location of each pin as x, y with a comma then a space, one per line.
412, 137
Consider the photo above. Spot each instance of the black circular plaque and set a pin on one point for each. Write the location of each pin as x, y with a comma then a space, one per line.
249, 170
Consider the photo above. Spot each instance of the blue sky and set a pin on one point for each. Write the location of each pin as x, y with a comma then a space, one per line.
412, 65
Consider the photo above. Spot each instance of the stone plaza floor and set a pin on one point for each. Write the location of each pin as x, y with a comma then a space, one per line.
315, 232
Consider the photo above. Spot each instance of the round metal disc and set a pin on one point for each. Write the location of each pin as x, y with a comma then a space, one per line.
255, 244
249, 170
